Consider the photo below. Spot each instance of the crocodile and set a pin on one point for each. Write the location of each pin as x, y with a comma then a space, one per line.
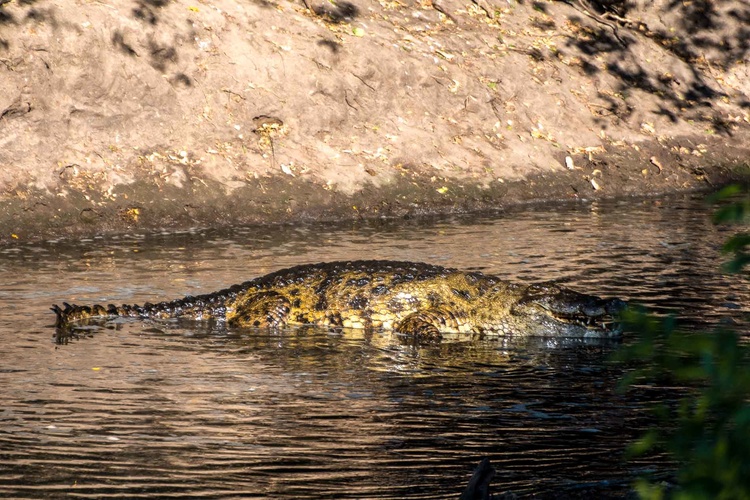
412, 298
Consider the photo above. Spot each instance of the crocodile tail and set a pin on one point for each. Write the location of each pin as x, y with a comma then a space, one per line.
72, 313
203, 307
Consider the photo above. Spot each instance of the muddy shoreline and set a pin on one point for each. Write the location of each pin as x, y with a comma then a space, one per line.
148, 207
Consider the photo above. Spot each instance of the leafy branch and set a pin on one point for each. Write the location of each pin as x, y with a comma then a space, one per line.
706, 432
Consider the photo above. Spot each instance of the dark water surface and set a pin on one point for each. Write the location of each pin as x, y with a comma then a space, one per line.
153, 410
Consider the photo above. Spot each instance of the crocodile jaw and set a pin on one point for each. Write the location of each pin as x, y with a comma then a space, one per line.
566, 327
553, 311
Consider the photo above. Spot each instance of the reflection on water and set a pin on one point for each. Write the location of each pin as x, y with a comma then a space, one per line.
145, 409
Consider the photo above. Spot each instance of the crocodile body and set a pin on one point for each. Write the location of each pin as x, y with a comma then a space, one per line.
408, 297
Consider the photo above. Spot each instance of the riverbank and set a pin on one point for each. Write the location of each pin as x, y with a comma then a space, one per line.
158, 114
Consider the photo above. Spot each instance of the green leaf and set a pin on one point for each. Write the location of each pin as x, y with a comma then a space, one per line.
725, 193
734, 266
649, 491
736, 242
644, 444
734, 212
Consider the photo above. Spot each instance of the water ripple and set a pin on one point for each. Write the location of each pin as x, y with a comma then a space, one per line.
142, 410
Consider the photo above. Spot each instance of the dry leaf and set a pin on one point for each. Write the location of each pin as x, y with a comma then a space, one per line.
287, 169
656, 163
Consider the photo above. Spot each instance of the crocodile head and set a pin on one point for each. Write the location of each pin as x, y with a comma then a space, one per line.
556, 311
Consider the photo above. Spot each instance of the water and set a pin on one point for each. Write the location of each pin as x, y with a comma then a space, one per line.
153, 410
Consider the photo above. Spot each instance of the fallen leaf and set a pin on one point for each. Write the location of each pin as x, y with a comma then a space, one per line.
648, 127
445, 55
287, 170
656, 163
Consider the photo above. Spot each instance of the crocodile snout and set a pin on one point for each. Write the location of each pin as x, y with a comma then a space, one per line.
596, 307
567, 304
616, 307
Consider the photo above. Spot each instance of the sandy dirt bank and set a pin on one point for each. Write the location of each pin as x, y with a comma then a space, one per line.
146, 114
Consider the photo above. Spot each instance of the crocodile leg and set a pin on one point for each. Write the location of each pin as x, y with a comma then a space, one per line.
430, 323
264, 309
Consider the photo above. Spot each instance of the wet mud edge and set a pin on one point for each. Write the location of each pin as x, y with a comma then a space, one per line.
29, 214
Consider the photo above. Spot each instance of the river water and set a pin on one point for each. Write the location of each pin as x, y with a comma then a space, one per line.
154, 410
